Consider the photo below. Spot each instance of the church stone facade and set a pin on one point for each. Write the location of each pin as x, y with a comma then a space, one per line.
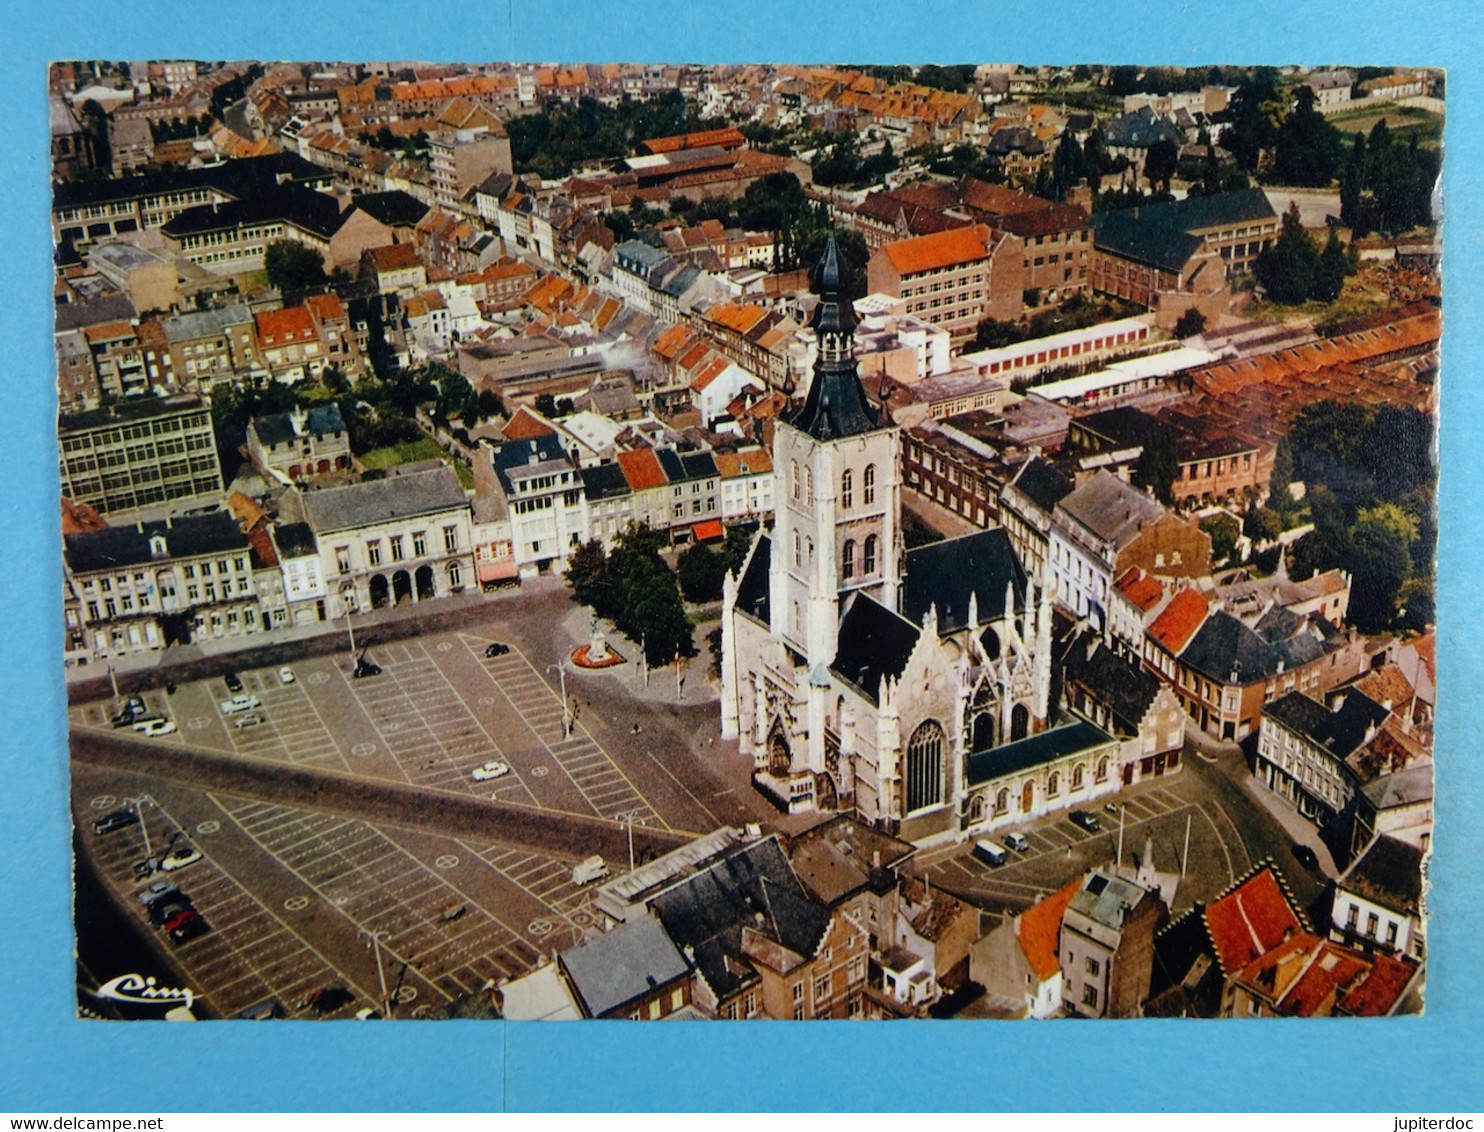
861, 677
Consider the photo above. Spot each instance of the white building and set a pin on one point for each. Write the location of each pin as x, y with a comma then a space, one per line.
544, 494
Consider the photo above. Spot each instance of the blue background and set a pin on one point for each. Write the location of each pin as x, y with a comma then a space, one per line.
51, 1063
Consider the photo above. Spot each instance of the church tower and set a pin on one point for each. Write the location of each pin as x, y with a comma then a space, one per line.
837, 491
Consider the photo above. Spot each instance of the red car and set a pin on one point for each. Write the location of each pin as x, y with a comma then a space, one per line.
181, 919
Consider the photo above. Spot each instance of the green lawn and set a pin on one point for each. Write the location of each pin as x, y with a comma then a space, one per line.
1356, 300
413, 451
1402, 121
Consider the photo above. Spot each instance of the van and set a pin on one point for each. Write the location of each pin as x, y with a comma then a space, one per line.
585, 872
990, 853
1018, 843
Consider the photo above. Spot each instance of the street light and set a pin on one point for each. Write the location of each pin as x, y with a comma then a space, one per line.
138, 804
629, 818
566, 709
376, 938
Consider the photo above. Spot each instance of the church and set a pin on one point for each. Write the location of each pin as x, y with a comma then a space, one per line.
911, 688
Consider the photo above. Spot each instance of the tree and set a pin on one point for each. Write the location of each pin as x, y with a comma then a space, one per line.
1382, 538
1189, 324
854, 256
1224, 533
1160, 161
587, 574
1279, 497
701, 570
1256, 109
1286, 270
1330, 271
1159, 465
293, 267
1307, 147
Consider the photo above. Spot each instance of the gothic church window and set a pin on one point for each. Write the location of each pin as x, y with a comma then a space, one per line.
868, 479
847, 559
925, 766
847, 488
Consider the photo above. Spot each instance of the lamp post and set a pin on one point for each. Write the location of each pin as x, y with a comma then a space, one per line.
386, 999
566, 707
138, 804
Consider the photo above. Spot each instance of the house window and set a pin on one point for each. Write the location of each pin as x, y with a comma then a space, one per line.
342, 560
1391, 933
925, 766
1372, 922
450, 539
1093, 966
799, 992
749, 1004
419, 544
868, 479
1352, 917
847, 488
1077, 776
1053, 785
396, 545
821, 988
1089, 995
373, 552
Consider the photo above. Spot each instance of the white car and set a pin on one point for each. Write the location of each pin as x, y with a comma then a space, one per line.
240, 702
153, 728
492, 769
179, 858
285, 675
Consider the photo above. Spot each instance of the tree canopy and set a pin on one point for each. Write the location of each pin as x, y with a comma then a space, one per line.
293, 267
633, 588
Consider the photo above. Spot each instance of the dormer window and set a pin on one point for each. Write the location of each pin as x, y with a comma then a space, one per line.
157, 547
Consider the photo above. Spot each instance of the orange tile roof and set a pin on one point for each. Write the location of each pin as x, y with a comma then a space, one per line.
1306, 974
394, 257
78, 517
940, 249
1378, 992
694, 356
1250, 920
325, 307
730, 136
641, 467
1141, 589
749, 462
525, 425
1174, 627
709, 373
107, 330
292, 324
548, 291
1039, 930
739, 317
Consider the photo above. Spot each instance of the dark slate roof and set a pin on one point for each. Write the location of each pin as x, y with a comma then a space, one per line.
1388, 872
304, 208
616, 967
395, 209
873, 642
516, 454
403, 494
1125, 426
132, 409
1042, 484
1216, 210
1037, 750
1013, 138
946, 573
1228, 651
94, 312
681, 467
836, 406
242, 178
295, 540
754, 888
1080, 122
1114, 681
753, 587
1185, 979
1337, 732
323, 421
1139, 129
604, 481
1123, 234
115, 547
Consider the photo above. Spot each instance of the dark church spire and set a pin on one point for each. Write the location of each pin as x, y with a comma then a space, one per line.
836, 405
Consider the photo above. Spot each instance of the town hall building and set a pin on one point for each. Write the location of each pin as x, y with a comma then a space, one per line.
910, 687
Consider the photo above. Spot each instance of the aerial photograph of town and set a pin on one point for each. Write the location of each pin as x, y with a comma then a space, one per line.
558, 541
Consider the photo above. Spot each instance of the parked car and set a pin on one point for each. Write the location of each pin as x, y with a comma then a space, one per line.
233, 682
286, 675
497, 649
189, 930
252, 719
1306, 856
116, 820
157, 892
1017, 842
181, 919
179, 858
1111, 807
451, 911
495, 768
365, 668
154, 728
146, 868
135, 705
989, 853
162, 910
1086, 820
260, 1011
241, 702
123, 718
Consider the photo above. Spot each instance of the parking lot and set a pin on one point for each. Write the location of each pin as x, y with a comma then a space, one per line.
1060, 851
438, 710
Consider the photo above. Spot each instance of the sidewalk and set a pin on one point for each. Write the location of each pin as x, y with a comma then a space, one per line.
695, 686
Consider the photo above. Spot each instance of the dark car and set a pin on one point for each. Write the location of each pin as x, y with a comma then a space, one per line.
497, 649
365, 668
233, 682
262, 1011
189, 930
1086, 820
124, 718
116, 820
163, 910
1306, 856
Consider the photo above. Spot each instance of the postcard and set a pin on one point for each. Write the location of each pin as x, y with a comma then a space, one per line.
752, 541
